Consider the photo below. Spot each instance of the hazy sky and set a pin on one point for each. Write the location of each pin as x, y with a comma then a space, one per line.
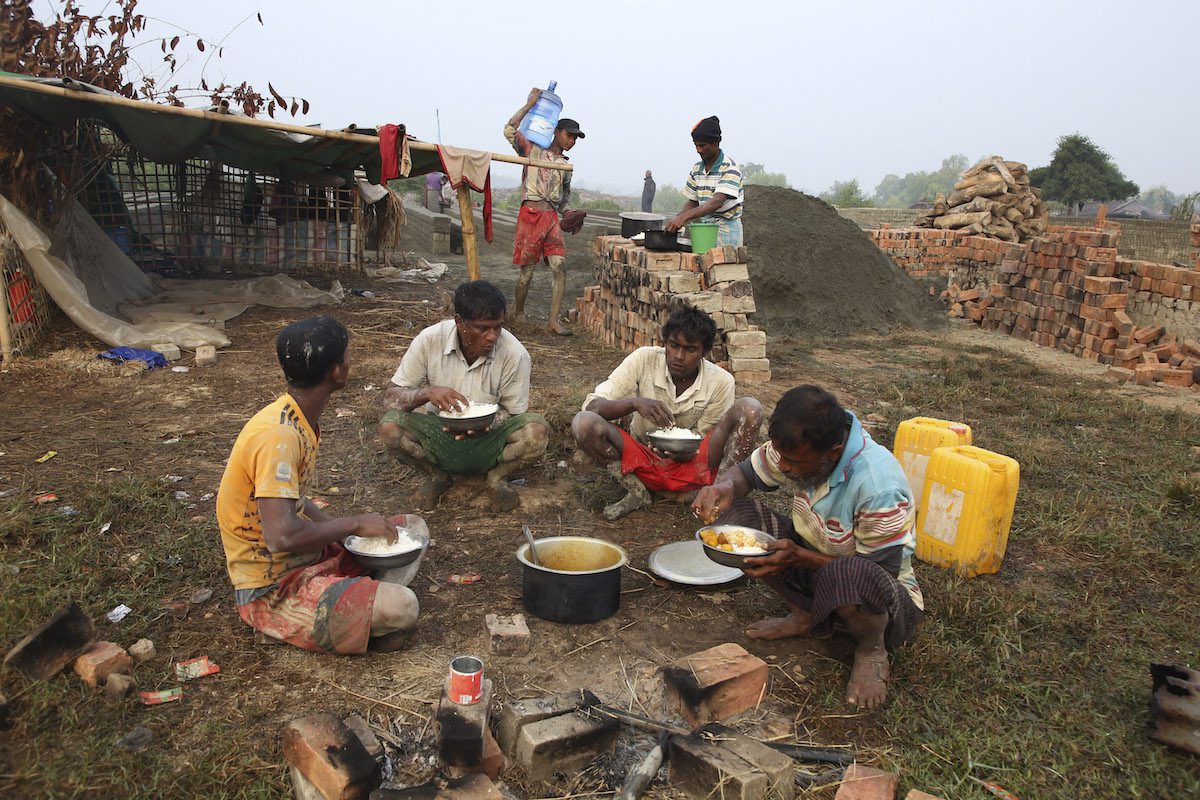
821, 92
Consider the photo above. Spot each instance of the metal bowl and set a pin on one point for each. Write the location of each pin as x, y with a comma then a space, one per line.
680, 447
465, 424
372, 561
732, 559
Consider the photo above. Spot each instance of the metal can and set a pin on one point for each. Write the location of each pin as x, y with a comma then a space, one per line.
466, 680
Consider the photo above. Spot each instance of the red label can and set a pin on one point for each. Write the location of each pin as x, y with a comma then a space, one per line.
466, 680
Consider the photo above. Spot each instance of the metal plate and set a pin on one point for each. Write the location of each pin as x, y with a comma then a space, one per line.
685, 562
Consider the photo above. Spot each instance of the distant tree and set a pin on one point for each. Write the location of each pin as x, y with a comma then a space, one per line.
1080, 172
1159, 198
668, 200
1187, 208
845, 194
758, 175
896, 192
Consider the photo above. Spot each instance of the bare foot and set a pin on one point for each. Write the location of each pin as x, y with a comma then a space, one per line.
867, 688
798, 623
558, 329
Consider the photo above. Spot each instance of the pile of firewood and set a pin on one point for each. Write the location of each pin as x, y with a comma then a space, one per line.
993, 198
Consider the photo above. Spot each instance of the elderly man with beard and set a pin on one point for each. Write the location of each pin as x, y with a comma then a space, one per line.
845, 554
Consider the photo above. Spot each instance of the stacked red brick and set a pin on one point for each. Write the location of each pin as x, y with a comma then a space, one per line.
639, 289
1195, 231
920, 252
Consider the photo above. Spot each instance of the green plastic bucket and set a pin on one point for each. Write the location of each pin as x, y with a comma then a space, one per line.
703, 236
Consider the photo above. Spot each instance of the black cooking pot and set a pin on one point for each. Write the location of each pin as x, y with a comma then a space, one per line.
661, 240
579, 580
635, 222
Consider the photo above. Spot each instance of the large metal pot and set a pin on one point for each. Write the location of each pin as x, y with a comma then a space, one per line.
635, 222
578, 581
662, 241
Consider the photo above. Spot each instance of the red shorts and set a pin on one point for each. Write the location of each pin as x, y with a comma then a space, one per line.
665, 474
538, 235
325, 606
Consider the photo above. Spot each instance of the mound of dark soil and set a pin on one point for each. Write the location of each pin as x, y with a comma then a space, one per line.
816, 272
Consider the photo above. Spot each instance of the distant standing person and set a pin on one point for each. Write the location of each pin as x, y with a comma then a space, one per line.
648, 188
433, 191
544, 195
714, 187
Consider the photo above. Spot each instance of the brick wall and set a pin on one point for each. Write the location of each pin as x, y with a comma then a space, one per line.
878, 217
638, 290
1163, 241
1070, 290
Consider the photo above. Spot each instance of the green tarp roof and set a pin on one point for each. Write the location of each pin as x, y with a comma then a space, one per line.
169, 138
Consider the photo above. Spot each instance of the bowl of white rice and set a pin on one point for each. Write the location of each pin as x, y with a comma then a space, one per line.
475, 417
676, 441
378, 553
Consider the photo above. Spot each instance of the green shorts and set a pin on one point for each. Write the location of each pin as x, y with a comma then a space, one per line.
470, 456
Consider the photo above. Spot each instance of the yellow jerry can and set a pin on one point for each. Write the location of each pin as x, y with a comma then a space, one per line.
966, 509
916, 439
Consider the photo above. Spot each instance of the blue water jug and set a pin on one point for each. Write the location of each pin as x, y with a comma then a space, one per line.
538, 125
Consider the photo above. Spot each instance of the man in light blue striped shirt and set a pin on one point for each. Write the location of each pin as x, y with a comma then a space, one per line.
714, 187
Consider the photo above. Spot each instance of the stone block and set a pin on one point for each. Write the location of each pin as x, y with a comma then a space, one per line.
100, 661
748, 351
169, 351
362, 729
460, 729
716, 683
719, 273
508, 634
708, 302
206, 355
142, 650
703, 767
748, 364
491, 764
516, 714
118, 686
470, 787
746, 338
738, 305
331, 757
866, 783
57, 642
751, 377
565, 743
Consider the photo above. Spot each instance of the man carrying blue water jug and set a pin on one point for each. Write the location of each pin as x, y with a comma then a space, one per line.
545, 193
714, 187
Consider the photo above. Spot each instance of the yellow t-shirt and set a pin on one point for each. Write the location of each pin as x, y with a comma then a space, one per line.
275, 455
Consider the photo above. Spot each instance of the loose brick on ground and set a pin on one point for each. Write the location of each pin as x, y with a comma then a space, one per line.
715, 684
101, 660
461, 729
328, 754
509, 635
564, 743
515, 714
867, 783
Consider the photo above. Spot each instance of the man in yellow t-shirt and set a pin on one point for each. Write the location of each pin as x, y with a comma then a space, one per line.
292, 579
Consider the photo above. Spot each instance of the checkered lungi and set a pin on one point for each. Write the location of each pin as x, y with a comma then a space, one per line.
848, 581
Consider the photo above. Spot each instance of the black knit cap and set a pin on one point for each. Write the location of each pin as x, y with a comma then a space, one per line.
707, 130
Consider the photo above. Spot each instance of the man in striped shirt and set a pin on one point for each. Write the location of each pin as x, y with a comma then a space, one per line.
845, 554
714, 187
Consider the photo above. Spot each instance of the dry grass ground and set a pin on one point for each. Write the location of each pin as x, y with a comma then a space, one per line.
1035, 678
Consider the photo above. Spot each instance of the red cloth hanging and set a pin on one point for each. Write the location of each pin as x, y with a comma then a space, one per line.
474, 168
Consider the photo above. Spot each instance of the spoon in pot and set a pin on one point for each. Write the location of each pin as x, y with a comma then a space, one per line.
533, 556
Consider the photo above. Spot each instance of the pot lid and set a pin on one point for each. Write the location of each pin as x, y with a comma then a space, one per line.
685, 562
642, 216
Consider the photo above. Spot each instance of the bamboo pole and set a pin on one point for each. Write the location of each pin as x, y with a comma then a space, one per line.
227, 118
467, 212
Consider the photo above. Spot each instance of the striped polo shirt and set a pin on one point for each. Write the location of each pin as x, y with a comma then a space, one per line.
865, 509
725, 177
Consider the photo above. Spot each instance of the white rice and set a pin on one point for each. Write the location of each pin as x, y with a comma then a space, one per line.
471, 411
749, 551
377, 546
676, 433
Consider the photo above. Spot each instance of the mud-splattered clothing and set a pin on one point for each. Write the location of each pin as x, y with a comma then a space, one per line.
644, 373
550, 185
275, 455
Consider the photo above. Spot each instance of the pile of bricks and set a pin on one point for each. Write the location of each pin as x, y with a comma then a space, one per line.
1194, 229
1067, 289
638, 289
